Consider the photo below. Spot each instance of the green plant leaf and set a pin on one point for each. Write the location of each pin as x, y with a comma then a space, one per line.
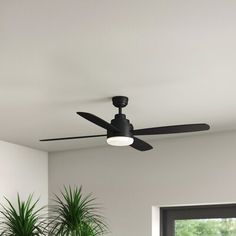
23, 220
75, 215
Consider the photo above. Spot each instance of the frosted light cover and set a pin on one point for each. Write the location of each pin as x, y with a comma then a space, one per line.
120, 141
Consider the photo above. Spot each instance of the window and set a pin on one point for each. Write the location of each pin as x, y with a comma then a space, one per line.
214, 220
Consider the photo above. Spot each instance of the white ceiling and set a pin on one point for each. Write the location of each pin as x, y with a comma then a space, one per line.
175, 60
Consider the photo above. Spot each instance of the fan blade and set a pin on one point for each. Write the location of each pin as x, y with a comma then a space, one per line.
98, 121
172, 129
78, 137
141, 145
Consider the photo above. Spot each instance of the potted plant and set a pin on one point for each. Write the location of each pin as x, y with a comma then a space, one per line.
72, 214
22, 220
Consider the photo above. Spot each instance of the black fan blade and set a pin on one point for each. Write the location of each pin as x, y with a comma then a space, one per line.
172, 129
98, 121
78, 137
141, 145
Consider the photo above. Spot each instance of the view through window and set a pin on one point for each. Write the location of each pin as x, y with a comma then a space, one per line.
206, 227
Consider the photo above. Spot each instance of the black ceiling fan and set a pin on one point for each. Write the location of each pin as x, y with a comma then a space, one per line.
120, 131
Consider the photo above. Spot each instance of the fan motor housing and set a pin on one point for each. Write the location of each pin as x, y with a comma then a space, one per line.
122, 124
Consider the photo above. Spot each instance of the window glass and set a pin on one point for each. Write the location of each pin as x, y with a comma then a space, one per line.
215, 220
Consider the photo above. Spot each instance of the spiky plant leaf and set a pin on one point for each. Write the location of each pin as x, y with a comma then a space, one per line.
23, 220
75, 215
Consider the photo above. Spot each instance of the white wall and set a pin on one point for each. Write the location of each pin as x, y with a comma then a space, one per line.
189, 170
23, 170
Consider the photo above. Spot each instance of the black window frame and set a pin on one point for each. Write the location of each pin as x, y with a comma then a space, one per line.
168, 215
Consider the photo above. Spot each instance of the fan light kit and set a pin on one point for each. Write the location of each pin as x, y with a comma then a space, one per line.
120, 141
120, 131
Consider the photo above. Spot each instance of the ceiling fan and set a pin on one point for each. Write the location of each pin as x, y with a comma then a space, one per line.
120, 131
